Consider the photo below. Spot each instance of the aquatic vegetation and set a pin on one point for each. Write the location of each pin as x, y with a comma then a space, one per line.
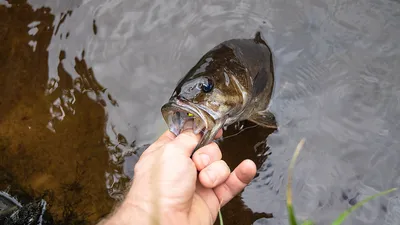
289, 200
221, 221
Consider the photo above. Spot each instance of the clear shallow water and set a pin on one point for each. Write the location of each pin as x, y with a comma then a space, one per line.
337, 70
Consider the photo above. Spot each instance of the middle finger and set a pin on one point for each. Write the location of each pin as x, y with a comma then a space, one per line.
206, 155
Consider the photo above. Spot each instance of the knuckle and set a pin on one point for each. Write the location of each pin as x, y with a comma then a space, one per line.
221, 169
170, 146
214, 146
225, 166
188, 134
216, 150
189, 138
212, 150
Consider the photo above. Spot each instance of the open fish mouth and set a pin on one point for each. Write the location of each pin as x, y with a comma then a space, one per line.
180, 115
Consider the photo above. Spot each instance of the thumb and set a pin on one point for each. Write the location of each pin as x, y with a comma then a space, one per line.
186, 141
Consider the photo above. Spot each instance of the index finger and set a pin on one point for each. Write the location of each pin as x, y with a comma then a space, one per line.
187, 140
165, 138
168, 136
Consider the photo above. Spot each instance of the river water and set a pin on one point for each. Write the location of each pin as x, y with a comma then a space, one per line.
82, 83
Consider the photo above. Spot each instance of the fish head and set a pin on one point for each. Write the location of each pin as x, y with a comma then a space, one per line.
206, 100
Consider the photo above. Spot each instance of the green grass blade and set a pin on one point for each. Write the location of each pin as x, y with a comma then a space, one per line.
289, 201
308, 222
292, 217
346, 213
221, 222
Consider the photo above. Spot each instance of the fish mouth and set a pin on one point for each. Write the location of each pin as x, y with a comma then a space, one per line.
180, 115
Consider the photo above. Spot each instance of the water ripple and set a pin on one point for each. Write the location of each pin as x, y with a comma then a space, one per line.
337, 85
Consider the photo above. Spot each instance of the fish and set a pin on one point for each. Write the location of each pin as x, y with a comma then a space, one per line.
232, 82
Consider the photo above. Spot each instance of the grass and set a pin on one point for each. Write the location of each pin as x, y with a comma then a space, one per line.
221, 221
289, 201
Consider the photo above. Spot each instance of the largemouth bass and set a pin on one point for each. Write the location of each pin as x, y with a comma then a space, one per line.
231, 82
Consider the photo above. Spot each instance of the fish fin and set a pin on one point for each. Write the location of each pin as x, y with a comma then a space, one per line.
260, 81
258, 38
264, 119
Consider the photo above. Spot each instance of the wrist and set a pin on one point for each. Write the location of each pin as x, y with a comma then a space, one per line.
137, 209
132, 215
127, 214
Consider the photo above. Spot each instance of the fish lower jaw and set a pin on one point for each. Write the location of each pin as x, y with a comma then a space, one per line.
199, 129
185, 123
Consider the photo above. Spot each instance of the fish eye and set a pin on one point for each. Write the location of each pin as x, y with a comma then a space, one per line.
207, 86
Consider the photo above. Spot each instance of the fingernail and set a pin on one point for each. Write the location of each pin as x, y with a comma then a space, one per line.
211, 175
205, 159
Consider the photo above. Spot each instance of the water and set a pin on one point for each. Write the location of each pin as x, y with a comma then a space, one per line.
82, 83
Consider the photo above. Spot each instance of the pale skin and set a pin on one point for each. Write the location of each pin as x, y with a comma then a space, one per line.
171, 188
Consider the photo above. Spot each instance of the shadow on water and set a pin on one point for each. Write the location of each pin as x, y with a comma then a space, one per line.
51, 135
244, 140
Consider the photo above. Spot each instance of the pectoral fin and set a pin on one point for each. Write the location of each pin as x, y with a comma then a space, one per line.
264, 119
258, 38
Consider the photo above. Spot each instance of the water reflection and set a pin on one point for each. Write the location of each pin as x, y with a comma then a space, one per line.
51, 133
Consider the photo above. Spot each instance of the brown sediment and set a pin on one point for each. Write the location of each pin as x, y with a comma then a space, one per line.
69, 163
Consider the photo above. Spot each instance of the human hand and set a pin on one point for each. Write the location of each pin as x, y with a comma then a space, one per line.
166, 188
